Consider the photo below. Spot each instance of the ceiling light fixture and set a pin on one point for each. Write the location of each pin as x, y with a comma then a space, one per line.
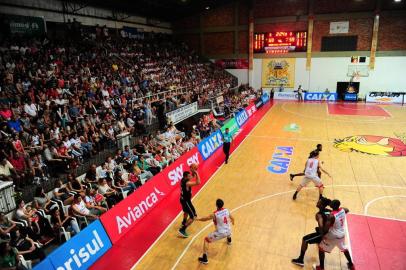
397, 1
207, 8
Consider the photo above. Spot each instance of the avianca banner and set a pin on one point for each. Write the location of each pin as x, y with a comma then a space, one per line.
124, 216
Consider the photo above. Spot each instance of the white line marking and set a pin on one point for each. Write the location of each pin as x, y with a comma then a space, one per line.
373, 216
290, 138
378, 199
261, 199
211, 177
335, 119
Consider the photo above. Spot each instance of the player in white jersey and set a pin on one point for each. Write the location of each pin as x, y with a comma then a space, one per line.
335, 235
222, 219
311, 174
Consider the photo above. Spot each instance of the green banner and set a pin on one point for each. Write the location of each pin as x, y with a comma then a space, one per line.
25, 25
232, 126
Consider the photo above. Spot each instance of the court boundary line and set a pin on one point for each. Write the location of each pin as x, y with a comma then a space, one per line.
180, 257
203, 187
373, 216
366, 121
378, 199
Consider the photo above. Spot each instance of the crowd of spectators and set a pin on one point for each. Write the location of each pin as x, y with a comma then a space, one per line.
61, 103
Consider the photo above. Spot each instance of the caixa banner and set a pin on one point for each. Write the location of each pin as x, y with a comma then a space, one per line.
81, 251
209, 145
241, 117
124, 216
320, 96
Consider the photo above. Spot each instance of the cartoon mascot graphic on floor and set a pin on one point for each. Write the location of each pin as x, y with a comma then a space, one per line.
373, 145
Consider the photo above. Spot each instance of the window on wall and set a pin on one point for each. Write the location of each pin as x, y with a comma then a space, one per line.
342, 43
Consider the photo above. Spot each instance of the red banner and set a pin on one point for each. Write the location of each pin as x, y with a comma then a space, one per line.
123, 217
251, 109
232, 63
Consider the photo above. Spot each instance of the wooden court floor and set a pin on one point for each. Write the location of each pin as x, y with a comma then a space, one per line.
269, 225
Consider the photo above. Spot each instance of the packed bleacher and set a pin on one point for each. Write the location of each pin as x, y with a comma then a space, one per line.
63, 103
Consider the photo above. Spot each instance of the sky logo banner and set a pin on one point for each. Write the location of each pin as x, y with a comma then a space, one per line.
209, 145
251, 109
241, 118
232, 127
265, 97
83, 250
320, 96
120, 219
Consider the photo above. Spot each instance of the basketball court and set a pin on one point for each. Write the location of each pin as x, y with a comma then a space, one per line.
269, 224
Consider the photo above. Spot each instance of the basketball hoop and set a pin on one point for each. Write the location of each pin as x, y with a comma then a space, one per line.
355, 75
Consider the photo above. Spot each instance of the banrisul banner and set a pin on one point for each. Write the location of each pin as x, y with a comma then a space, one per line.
265, 98
232, 127
25, 25
241, 117
320, 96
209, 145
183, 113
83, 250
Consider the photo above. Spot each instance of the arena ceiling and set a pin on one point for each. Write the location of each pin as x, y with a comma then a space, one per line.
171, 10
168, 10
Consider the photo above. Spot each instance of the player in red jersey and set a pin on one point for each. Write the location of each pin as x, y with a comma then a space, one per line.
222, 219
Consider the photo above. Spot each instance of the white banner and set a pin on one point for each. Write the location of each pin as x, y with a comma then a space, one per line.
339, 27
285, 95
385, 97
182, 113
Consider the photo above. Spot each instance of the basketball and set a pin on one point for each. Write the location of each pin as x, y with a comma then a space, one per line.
194, 167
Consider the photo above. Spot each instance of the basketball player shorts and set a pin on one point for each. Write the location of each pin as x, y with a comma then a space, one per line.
188, 208
328, 244
215, 236
315, 179
313, 238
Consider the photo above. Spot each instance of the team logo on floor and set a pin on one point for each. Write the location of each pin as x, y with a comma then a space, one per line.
373, 145
281, 159
293, 127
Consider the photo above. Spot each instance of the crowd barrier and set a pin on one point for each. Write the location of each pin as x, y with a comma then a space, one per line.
84, 249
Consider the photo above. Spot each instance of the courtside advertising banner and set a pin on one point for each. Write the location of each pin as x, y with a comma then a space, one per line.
285, 95
251, 109
384, 97
320, 96
174, 172
209, 145
81, 251
241, 117
265, 98
232, 127
124, 216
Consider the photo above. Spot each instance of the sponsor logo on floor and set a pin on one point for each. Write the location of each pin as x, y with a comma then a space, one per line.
281, 159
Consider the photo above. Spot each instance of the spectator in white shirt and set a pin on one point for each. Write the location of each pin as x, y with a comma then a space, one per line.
31, 109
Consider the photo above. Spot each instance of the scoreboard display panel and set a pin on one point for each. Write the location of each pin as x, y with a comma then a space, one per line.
280, 42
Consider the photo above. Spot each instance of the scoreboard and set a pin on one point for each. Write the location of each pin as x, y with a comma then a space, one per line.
280, 42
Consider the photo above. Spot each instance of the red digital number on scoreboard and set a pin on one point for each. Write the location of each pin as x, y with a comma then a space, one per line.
277, 42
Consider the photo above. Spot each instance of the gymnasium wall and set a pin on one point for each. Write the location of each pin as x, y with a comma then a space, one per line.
388, 75
222, 33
